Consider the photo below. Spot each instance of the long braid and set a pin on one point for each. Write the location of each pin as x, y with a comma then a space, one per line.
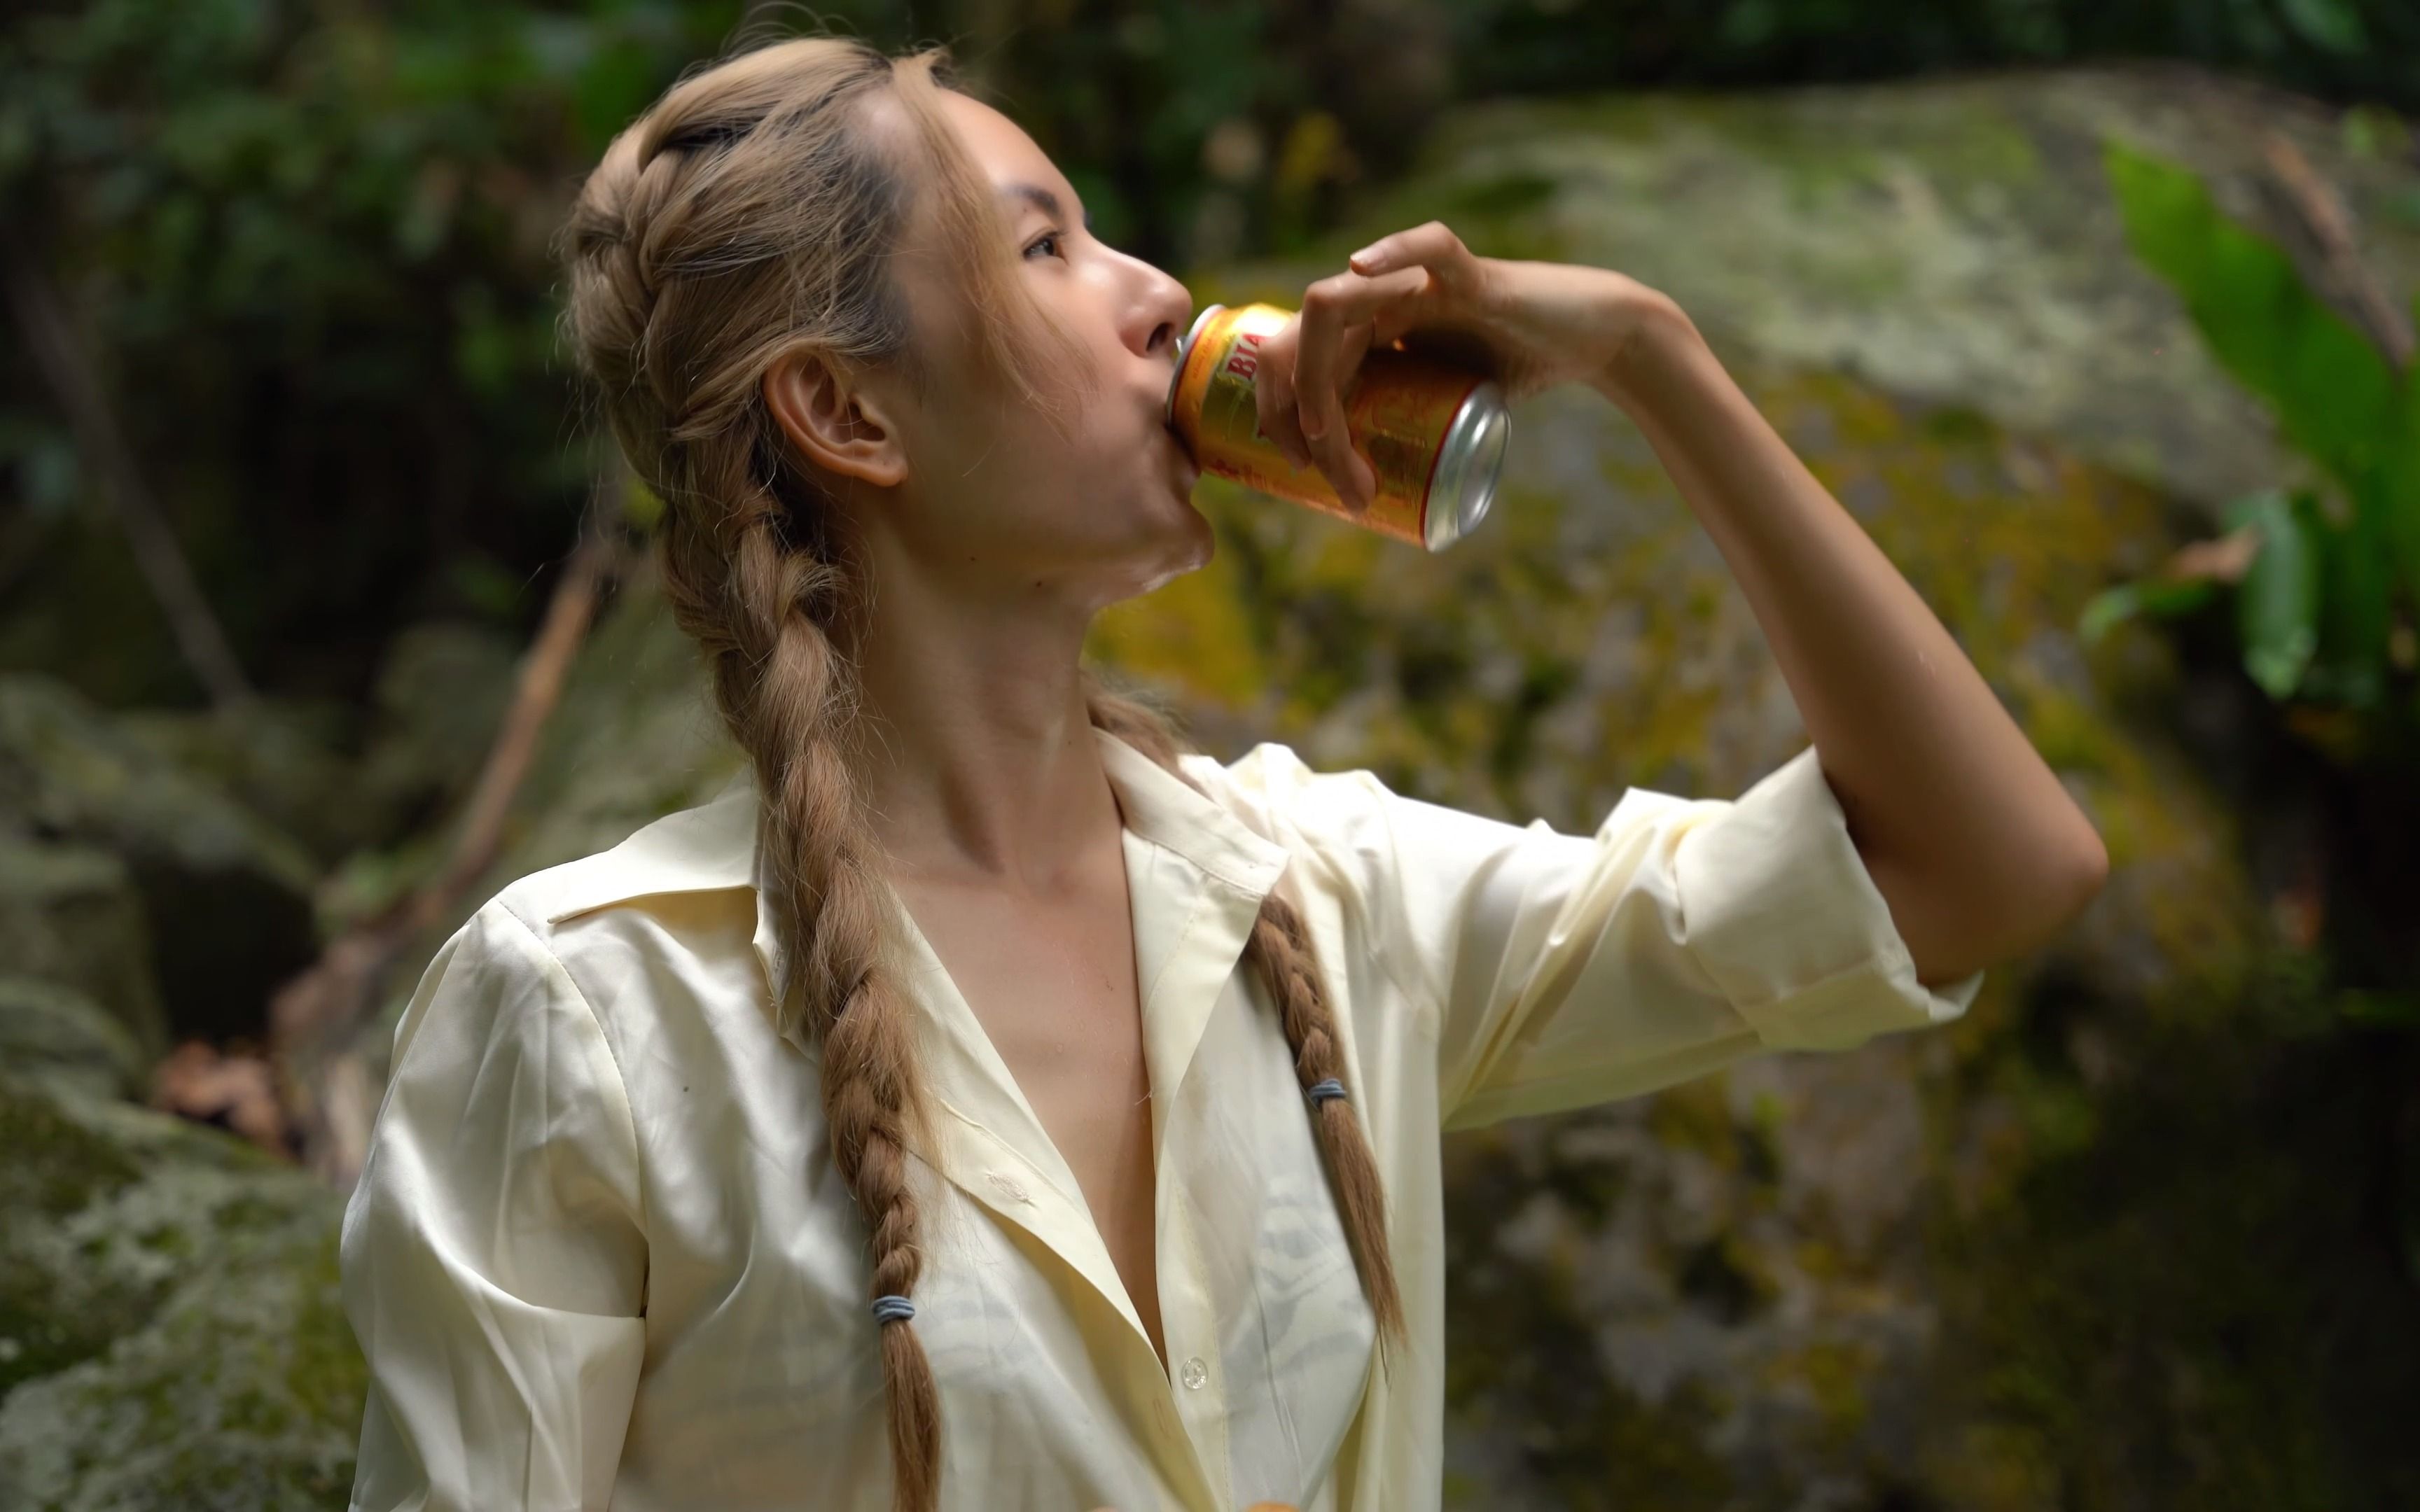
1280, 954
786, 694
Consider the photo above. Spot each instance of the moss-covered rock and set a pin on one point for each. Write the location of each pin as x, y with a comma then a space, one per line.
339, 779
226, 896
70, 916
170, 1332
1951, 240
54, 1034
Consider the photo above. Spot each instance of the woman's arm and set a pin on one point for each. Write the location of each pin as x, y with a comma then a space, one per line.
1977, 849
493, 1254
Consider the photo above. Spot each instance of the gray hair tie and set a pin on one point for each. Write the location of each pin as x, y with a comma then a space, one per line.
1321, 1091
890, 1309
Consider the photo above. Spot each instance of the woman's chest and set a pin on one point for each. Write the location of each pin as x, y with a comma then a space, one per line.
764, 1374
1052, 988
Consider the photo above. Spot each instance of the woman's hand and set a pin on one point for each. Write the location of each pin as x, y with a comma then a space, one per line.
1529, 325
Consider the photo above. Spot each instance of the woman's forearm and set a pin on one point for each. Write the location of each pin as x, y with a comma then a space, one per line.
1979, 850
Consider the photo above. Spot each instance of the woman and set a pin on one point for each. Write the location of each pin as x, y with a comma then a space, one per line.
992, 1104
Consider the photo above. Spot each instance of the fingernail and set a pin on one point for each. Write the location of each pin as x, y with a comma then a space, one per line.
1366, 256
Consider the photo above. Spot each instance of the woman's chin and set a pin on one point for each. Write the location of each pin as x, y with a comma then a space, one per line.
1197, 543
1180, 543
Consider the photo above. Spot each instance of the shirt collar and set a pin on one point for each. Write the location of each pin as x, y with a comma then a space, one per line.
718, 845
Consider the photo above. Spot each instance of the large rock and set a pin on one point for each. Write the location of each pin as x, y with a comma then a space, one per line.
171, 1336
226, 898
54, 1034
1952, 240
70, 914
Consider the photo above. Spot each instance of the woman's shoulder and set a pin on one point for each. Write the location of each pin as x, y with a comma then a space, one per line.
705, 848
680, 885
1340, 819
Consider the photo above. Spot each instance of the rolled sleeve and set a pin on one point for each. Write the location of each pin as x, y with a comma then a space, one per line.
493, 1254
1564, 970
1779, 909
1683, 934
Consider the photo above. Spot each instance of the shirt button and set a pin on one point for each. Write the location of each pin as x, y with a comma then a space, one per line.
1195, 1374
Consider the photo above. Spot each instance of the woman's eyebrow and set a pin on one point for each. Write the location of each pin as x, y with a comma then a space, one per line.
1043, 200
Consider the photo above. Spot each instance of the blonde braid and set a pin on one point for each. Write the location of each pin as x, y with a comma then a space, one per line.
788, 697
1280, 954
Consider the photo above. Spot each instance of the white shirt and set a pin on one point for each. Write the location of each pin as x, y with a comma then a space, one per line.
598, 1252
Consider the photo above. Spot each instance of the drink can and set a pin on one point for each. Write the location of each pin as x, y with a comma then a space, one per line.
1433, 433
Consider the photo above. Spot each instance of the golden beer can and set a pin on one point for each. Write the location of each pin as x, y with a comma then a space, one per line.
1433, 433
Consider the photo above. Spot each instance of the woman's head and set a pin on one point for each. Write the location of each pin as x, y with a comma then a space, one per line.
878, 295
843, 335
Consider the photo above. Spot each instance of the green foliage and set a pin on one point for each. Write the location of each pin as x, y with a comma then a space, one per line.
2318, 605
2325, 615
2278, 605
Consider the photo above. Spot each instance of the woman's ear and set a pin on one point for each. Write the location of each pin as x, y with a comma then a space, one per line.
835, 424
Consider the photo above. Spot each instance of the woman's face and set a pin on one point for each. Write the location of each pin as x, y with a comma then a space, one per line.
966, 482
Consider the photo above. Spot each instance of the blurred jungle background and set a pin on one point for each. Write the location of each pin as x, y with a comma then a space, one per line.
321, 619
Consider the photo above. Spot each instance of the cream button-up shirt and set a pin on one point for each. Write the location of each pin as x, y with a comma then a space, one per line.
598, 1254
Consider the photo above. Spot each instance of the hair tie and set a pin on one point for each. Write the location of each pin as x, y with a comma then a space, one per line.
893, 1309
1321, 1091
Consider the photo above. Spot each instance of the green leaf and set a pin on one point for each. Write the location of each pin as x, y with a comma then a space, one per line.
2107, 607
2356, 602
2398, 496
2331, 25
2391, 1008
2278, 604
2155, 597
2333, 393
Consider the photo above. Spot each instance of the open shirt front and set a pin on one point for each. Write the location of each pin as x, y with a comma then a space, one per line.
598, 1252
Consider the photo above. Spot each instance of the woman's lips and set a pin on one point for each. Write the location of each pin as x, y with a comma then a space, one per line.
1184, 456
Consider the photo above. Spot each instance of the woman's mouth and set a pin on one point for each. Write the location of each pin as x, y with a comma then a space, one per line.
1184, 456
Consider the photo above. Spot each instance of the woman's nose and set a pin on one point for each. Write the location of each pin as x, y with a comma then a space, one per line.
1167, 311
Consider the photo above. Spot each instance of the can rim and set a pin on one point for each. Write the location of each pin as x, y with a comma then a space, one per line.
1472, 456
1185, 359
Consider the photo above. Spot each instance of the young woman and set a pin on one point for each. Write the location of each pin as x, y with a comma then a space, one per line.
989, 1104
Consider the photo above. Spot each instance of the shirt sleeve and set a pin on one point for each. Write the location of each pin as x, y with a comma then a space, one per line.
493, 1257
1565, 970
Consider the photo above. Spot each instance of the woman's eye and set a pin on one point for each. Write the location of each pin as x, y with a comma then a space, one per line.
1047, 238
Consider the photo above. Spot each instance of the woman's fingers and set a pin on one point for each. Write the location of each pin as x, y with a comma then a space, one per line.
1335, 331
1355, 482
1331, 308
1273, 399
1433, 247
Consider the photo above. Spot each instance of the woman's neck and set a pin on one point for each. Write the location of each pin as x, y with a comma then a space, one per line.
978, 759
